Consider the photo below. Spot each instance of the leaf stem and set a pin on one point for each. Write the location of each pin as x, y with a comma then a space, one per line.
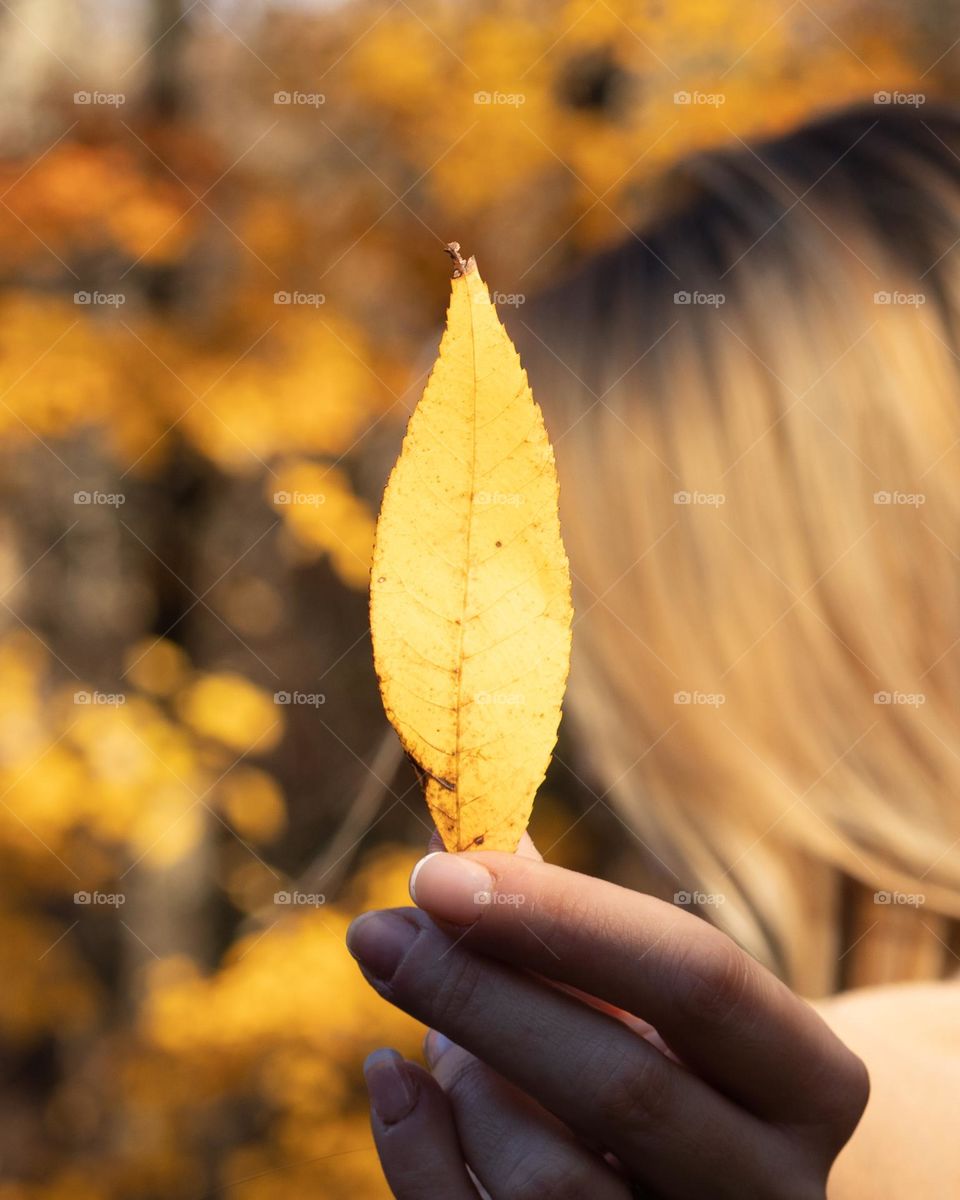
453, 249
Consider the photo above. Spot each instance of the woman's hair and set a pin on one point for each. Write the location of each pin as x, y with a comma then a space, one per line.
755, 403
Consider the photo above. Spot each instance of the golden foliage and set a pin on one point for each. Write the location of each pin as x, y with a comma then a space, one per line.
156, 665
253, 802
322, 513
229, 709
98, 196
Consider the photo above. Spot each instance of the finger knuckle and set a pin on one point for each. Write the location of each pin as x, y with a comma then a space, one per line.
633, 1093
858, 1085
563, 921
547, 1178
712, 983
462, 1076
794, 1178
837, 1092
458, 995
846, 1096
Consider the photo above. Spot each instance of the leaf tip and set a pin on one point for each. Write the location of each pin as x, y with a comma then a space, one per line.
463, 266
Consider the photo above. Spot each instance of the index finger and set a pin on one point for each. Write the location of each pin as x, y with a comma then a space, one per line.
723, 1014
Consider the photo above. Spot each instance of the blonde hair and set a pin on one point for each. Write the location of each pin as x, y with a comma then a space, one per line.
756, 408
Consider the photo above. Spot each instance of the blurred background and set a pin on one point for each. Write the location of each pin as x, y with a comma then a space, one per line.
221, 285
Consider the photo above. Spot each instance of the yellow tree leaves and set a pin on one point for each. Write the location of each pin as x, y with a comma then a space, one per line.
470, 590
229, 709
323, 514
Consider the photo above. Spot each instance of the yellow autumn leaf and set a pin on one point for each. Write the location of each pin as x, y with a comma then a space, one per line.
253, 802
156, 665
228, 708
323, 513
470, 608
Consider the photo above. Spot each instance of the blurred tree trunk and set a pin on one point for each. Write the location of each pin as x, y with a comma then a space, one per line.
167, 911
168, 29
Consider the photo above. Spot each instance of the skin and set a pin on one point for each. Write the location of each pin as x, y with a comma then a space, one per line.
593, 1041
906, 1144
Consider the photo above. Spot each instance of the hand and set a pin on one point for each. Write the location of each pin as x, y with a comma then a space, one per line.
550, 986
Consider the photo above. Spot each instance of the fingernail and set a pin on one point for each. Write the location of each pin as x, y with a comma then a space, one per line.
435, 1044
379, 941
392, 1092
454, 888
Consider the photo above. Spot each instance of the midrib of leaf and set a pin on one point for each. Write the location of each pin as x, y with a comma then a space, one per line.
466, 577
